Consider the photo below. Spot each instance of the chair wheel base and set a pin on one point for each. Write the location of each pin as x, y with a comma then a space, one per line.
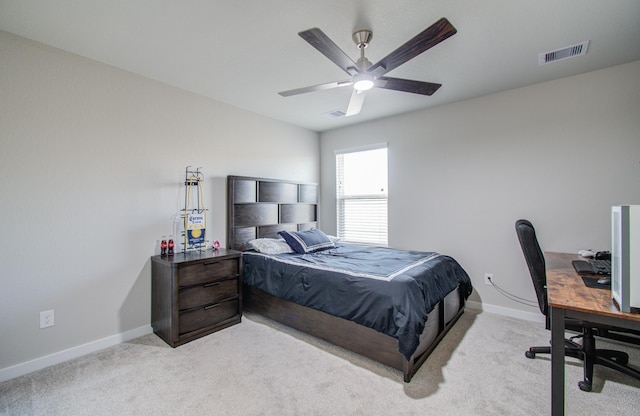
530, 354
584, 386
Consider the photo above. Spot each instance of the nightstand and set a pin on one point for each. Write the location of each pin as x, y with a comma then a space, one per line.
194, 294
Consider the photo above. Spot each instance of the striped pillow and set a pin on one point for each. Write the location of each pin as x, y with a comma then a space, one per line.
307, 241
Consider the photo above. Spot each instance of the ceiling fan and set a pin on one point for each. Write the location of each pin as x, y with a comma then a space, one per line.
364, 74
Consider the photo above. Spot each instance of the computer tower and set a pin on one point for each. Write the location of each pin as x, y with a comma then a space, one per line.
625, 256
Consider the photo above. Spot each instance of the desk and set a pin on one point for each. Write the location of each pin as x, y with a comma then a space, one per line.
569, 297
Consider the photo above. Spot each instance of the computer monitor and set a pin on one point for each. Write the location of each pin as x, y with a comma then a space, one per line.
625, 256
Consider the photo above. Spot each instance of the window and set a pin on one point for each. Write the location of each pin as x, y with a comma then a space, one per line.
361, 183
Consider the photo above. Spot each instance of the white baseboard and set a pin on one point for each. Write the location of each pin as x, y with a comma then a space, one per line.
75, 352
71, 353
512, 313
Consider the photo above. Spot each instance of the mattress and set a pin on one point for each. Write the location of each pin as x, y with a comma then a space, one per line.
389, 290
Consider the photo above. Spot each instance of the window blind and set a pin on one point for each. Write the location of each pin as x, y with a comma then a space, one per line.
361, 183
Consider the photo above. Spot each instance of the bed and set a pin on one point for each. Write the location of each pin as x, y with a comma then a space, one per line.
392, 306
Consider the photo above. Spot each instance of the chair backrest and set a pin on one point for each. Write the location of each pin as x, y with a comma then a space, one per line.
535, 260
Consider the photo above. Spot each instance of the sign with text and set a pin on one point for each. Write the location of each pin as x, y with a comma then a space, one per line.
195, 228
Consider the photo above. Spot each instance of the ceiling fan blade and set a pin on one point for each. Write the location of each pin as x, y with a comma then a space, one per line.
316, 38
319, 87
407, 85
426, 39
355, 103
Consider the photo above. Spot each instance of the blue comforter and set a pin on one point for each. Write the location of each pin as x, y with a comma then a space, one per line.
389, 290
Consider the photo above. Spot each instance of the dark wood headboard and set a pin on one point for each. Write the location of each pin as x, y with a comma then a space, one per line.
260, 207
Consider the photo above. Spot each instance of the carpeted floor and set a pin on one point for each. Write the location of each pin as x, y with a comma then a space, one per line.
262, 368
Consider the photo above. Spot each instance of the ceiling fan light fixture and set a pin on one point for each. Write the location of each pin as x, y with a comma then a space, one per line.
363, 82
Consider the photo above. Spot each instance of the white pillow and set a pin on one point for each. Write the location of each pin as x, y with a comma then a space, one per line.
270, 246
335, 239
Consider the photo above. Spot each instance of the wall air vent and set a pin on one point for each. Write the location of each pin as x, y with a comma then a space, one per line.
335, 114
563, 53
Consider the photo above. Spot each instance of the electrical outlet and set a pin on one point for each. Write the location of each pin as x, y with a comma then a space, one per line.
488, 279
46, 319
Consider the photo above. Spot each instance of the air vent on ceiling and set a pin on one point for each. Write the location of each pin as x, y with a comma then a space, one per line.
563, 53
335, 114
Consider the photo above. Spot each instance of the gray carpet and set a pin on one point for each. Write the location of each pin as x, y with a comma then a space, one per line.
261, 368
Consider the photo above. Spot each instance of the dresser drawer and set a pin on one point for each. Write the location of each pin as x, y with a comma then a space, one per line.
195, 294
206, 271
208, 293
207, 316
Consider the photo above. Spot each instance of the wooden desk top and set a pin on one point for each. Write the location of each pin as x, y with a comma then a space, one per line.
566, 290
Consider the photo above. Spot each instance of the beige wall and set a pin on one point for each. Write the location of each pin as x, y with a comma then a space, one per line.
558, 153
91, 164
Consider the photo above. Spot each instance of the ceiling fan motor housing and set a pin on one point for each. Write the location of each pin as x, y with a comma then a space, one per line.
362, 38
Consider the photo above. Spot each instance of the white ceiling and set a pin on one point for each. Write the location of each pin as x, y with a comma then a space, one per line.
243, 52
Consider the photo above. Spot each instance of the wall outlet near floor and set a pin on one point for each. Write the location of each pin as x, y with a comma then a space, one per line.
46, 319
488, 279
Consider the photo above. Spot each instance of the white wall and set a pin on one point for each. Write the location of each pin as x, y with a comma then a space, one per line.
91, 164
558, 153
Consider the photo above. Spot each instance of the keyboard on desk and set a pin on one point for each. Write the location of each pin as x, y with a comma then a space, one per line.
592, 266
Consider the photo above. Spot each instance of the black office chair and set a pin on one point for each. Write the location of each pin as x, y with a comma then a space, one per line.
586, 351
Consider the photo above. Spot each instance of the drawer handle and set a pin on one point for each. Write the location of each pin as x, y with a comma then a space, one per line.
211, 284
211, 306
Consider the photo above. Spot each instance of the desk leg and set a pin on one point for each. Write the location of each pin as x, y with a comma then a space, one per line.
557, 361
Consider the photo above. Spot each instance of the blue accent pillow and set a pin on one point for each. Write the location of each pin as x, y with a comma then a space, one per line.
307, 241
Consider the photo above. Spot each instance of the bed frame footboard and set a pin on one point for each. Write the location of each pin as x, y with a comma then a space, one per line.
354, 337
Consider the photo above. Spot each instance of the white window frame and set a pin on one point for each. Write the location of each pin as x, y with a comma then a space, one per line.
371, 227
